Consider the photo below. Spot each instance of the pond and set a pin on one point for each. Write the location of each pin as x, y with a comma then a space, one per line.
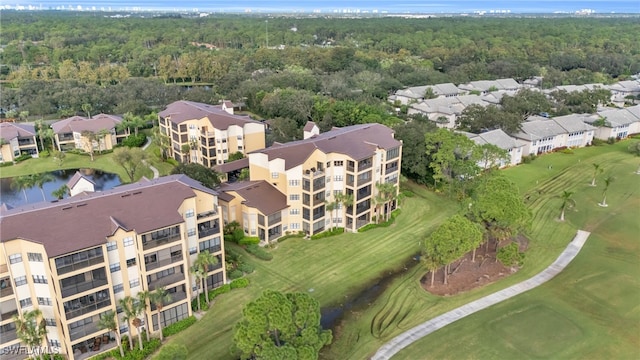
9, 196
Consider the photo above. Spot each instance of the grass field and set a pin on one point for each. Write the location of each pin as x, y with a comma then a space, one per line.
591, 310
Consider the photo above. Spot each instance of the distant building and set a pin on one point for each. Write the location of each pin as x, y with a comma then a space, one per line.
17, 139
71, 133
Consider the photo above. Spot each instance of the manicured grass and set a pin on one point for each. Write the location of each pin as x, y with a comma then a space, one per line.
330, 269
590, 310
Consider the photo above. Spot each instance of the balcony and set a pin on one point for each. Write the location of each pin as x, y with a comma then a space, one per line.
65, 137
82, 287
4, 269
8, 335
175, 297
26, 141
86, 304
167, 280
80, 264
163, 262
206, 214
85, 330
160, 238
391, 169
5, 287
208, 228
8, 314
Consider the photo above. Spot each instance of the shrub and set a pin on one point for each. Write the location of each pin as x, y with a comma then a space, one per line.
173, 162
219, 291
246, 268
7, 163
387, 223
22, 157
324, 234
259, 252
299, 234
567, 151
597, 142
240, 283
249, 240
407, 193
528, 158
611, 140
178, 326
134, 140
235, 274
44, 154
172, 352
510, 255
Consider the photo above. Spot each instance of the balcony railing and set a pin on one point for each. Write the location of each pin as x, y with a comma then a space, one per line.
206, 214
93, 306
208, 228
65, 137
6, 315
83, 331
82, 287
163, 262
8, 335
23, 142
6, 288
80, 265
389, 170
4, 268
160, 240
175, 297
167, 280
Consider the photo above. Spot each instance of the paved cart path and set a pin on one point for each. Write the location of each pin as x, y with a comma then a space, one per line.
408, 337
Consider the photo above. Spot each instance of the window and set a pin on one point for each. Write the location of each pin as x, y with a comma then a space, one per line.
119, 309
191, 232
328, 179
54, 343
25, 302
128, 241
20, 280
118, 288
189, 213
295, 226
393, 153
274, 175
328, 164
294, 212
193, 250
124, 329
134, 283
338, 178
39, 279
239, 137
112, 245
294, 197
34, 257
131, 262
44, 301
337, 192
50, 322
338, 163
294, 182
15, 258
114, 267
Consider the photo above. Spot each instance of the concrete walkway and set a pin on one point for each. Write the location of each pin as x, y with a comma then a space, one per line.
156, 173
408, 337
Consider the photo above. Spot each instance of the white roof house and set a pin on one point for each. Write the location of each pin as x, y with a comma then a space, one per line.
499, 138
618, 123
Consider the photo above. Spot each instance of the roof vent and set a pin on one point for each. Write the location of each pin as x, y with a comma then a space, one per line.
125, 195
80, 205
137, 192
67, 208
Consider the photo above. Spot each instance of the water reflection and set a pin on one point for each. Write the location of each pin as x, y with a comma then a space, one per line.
9, 196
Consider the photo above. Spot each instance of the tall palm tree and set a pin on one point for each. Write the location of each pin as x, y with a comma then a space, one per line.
607, 181
597, 169
101, 135
142, 308
330, 206
346, 200
41, 179
203, 261
130, 316
158, 297
22, 182
109, 321
40, 126
42, 331
29, 330
199, 275
88, 137
567, 201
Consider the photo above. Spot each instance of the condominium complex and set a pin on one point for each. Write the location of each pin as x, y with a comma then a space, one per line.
293, 183
74, 259
208, 134
17, 139
96, 133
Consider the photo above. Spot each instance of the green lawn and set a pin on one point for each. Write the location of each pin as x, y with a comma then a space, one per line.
332, 267
591, 309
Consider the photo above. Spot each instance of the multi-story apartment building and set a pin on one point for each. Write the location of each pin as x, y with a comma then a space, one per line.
17, 139
313, 172
72, 133
74, 259
208, 134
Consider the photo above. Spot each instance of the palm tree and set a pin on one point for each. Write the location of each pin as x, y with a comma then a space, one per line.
596, 170
346, 200
29, 330
567, 201
101, 135
203, 261
330, 207
42, 331
22, 183
199, 275
60, 192
186, 151
86, 107
130, 316
109, 321
161, 140
158, 297
88, 137
41, 179
142, 308
39, 124
132, 121
607, 181
386, 193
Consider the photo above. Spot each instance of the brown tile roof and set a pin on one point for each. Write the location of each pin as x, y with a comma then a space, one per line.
77, 223
357, 142
258, 194
9, 131
182, 110
76, 177
232, 165
79, 124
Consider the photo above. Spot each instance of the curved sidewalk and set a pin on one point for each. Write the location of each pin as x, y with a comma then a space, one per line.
408, 337
156, 174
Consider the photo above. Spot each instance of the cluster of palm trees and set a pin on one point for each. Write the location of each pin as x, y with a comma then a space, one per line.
134, 308
567, 196
24, 182
200, 270
31, 329
341, 199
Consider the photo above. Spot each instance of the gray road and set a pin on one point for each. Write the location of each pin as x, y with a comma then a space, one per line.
408, 337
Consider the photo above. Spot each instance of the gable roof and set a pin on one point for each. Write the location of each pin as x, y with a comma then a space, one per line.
539, 129
76, 177
575, 122
498, 138
74, 223
356, 141
258, 194
620, 117
181, 111
10, 131
79, 124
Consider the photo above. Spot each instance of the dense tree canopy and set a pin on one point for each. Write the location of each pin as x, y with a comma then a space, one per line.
281, 326
203, 174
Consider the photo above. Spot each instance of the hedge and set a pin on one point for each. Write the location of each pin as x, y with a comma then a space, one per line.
299, 234
149, 347
246, 268
324, 234
240, 283
249, 240
179, 326
259, 252
387, 223
235, 274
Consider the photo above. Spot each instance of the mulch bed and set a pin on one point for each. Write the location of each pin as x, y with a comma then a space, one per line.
466, 275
